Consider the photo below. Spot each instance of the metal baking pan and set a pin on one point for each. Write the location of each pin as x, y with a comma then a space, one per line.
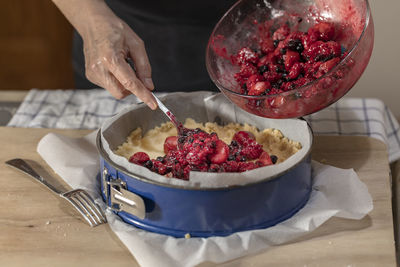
179, 209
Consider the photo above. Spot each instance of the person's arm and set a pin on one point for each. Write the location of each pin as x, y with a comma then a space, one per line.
108, 42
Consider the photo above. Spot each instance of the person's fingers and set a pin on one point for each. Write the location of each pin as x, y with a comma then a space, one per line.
114, 87
118, 66
100, 76
137, 52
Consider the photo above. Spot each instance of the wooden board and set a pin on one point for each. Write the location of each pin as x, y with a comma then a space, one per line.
39, 229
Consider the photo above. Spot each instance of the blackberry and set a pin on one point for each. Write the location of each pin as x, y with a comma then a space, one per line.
274, 159
234, 143
283, 51
231, 157
277, 84
276, 42
279, 69
213, 169
181, 139
148, 164
295, 45
263, 69
160, 159
324, 58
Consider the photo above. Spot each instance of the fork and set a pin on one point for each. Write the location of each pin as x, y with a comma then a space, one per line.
78, 198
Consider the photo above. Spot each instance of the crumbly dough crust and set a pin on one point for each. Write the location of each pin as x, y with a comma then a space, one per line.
152, 142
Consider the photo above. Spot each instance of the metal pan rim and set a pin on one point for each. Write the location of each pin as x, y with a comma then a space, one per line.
105, 157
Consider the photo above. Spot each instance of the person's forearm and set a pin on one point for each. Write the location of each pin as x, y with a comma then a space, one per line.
83, 14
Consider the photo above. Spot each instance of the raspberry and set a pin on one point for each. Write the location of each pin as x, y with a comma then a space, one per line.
281, 33
247, 70
246, 55
159, 167
139, 158
267, 46
246, 166
243, 137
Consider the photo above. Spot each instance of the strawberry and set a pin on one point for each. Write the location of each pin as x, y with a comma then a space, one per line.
253, 79
291, 57
170, 144
259, 88
221, 152
295, 70
264, 159
139, 158
327, 66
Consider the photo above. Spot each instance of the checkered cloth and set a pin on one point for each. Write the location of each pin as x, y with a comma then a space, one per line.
87, 109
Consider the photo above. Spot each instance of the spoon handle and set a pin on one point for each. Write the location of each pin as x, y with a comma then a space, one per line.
169, 114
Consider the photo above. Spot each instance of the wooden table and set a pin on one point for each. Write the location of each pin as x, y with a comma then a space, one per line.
39, 229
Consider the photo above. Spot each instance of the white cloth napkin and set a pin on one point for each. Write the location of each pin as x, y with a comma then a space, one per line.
88, 109
336, 192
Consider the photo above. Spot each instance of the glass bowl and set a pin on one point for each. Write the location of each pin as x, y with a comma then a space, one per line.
239, 27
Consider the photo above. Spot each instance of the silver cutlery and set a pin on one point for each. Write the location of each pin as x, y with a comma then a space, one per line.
78, 198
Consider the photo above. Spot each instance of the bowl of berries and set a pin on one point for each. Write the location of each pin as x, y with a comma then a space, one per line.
287, 59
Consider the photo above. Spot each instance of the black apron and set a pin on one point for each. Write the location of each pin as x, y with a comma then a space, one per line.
175, 33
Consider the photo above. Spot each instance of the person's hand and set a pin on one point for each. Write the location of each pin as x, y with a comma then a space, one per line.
108, 43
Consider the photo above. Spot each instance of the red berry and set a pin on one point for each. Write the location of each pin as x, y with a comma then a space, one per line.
221, 152
246, 70
246, 166
264, 159
246, 55
243, 137
295, 70
327, 66
324, 30
170, 143
139, 158
267, 46
281, 33
291, 57
253, 79
259, 88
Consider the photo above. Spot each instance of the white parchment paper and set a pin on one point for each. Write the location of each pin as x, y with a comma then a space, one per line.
336, 192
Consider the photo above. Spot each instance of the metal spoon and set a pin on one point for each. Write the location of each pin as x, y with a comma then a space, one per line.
170, 115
